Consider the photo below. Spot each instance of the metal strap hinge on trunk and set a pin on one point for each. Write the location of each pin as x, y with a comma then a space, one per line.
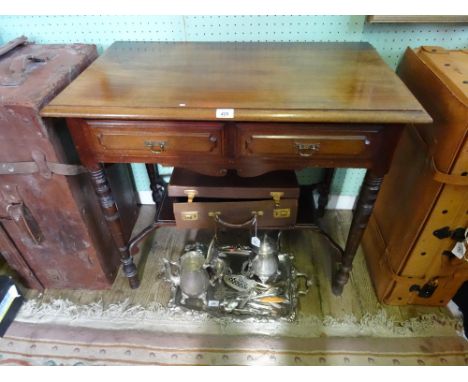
276, 195
41, 166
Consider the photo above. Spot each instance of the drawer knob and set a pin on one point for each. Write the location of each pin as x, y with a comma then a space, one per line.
306, 149
156, 147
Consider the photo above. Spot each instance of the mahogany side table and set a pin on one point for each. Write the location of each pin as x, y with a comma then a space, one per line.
252, 107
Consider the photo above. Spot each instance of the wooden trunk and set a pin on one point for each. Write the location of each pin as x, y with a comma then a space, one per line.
198, 199
422, 209
52, 231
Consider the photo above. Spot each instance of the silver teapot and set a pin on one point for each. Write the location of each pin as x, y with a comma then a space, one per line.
191, 277
265, 263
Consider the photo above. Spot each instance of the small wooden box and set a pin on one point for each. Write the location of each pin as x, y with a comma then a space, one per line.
198, 199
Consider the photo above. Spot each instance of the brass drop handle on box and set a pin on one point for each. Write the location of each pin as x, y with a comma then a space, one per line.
156, 147
306, 149
249, 222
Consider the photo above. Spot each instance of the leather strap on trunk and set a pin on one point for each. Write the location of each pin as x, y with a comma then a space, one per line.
41, 166
32, 168
439, 176
4, 49
454, 180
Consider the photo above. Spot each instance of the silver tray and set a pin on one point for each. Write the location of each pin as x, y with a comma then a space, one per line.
280, 296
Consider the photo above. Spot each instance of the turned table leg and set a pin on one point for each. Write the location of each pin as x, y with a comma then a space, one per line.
324, 191
157, 183
365, 205
111, 214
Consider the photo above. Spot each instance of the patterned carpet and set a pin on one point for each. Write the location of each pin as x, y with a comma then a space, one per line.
27, 344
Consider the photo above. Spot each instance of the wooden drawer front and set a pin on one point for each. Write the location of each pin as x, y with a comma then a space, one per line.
157, 138
200, 214
303, 142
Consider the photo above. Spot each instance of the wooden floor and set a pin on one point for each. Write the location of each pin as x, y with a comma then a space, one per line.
311, 253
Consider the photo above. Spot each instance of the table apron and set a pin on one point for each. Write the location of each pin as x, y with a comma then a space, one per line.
213, 148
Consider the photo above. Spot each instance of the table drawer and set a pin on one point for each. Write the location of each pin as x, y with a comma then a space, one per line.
156, 138
304, 141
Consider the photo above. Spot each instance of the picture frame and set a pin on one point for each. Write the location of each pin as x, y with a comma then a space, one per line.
416, 19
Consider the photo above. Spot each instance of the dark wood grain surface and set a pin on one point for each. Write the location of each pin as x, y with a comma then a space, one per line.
308, 82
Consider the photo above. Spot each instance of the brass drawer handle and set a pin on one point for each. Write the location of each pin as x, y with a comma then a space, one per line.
306, 149
159, 145
214, 142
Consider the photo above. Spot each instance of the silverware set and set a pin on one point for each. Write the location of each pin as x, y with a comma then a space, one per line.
236, 280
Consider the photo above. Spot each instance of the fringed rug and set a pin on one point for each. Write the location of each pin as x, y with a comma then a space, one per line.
158, 318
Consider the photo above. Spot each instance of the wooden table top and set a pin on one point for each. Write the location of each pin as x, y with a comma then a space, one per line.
290, 82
